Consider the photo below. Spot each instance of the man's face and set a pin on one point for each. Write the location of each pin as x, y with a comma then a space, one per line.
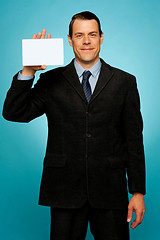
86, 42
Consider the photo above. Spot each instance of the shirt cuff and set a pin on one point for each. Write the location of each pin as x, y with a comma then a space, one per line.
22, 77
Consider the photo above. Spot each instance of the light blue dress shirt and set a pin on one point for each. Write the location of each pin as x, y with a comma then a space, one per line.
22, 77
95, 71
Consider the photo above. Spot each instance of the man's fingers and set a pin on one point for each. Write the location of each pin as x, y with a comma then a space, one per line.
138, 220
142, 215
143, 212
129, 216
34, 36
134, 224
39, 35
49, 35
42, 67
43, 33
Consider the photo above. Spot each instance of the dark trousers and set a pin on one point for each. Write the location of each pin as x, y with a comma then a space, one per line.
71, 224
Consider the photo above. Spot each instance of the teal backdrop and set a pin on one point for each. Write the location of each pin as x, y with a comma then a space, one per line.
131, 42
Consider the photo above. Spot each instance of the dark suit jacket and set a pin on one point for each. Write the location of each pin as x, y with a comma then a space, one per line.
90, 146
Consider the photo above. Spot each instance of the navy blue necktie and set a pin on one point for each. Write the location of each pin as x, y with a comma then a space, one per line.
86, 85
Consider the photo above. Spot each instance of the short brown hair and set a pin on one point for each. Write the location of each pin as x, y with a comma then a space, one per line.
86, 15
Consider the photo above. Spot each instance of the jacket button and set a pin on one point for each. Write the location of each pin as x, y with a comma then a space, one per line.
88, 135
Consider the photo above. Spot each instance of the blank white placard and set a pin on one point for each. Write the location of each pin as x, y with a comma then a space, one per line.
42, 52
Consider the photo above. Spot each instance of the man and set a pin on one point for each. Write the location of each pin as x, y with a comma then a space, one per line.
94, 138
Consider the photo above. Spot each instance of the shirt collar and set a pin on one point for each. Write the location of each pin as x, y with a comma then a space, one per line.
94, 70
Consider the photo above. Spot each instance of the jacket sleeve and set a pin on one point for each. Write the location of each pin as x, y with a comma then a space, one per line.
133, 127
24, 103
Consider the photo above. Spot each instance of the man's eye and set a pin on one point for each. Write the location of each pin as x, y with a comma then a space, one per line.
79, 35
93, 35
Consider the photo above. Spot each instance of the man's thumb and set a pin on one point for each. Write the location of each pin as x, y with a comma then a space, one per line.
129, 215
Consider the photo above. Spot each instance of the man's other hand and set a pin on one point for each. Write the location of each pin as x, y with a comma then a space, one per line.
137, 205
30, 70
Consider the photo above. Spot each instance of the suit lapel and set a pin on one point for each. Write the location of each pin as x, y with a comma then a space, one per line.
104, 77
71, 76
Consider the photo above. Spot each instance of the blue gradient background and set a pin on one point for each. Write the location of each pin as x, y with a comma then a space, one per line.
131, 42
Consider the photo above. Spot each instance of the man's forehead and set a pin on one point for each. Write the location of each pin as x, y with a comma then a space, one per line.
83, 25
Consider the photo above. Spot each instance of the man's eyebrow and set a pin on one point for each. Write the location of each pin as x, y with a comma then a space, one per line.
78, 33
93, 32
83, 33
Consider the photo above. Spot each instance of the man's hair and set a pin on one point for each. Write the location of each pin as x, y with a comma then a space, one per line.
86, 15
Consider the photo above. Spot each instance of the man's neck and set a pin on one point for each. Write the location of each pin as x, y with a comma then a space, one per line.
87, 65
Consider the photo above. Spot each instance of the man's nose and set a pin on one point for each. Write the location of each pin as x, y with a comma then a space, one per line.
86, 40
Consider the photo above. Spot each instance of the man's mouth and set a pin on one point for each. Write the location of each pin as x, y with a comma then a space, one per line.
86, 49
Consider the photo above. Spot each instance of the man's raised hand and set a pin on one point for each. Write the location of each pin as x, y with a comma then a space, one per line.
31, 70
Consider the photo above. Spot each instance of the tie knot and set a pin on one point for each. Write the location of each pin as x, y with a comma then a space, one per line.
86, 75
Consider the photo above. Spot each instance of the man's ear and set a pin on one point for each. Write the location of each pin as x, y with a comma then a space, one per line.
101, 38
70, 40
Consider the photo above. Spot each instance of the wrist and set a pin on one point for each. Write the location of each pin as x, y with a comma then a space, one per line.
138, 194
28, 71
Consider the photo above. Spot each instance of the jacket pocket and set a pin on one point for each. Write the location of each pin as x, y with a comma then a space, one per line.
54, 160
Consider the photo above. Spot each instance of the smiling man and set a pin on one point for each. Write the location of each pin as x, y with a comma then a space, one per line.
86, 39
94, 138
